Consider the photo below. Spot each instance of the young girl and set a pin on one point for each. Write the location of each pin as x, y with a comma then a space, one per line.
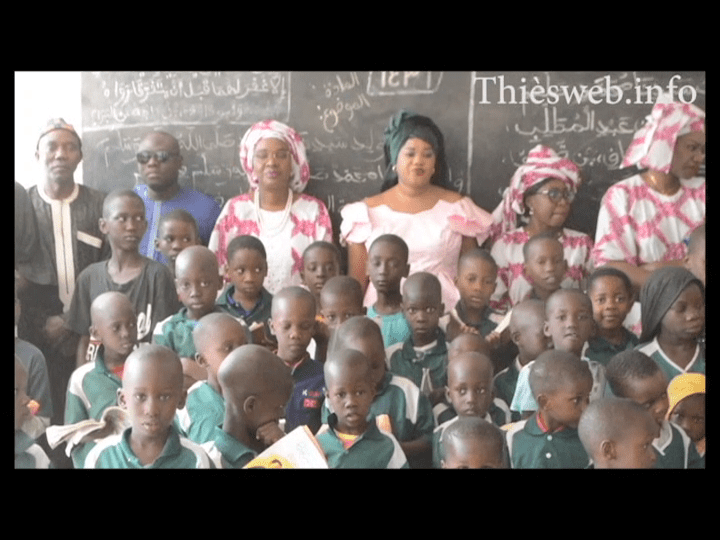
686, 408
673, 317
610, 291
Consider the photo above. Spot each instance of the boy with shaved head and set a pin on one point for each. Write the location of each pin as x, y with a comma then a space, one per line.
93, 386
351, 438
618, 433
256, 385
152, 391
561, 385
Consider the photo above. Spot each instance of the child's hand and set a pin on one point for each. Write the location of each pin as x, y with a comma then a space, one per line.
269, 433
493, 339
322, 331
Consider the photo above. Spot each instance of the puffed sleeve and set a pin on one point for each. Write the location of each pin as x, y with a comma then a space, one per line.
470, 220
355, 227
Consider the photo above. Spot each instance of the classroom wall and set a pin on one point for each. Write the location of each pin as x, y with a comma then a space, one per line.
39, 96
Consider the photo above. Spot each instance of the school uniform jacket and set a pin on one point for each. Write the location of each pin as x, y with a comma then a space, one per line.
374, 449
530, 447
204, 410
675, 450
425, 366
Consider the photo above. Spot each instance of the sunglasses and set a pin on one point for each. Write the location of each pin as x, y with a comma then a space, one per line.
556, 194
162, 156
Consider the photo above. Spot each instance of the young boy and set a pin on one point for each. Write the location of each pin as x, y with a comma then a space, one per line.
245, 296
476, 281
469, 391
340, 298
147, 283
569, 324
350, 439
634, 375
473, 443
28, 454
256, 386
215, 336
422, 357
197, 283
294, 324
176, 231
93, 386
320, 262
527, 323
152, 391
545, 265
617, 433
610, 291
561, 385
397, 397
387, 266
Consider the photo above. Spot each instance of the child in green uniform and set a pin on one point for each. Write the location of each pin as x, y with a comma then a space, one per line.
672, 304
473, 443
561, 385
617, 433
397, 397
470, 392
152, 391
387, 266
527, 322
634, 375
215, 336
686, 396
197, 282
422, 358
256, 386
352, 439
93, 386
611, 293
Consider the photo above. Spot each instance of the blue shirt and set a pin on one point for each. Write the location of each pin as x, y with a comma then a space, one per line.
202, 207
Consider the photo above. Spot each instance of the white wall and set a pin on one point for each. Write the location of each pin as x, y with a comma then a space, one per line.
40, 96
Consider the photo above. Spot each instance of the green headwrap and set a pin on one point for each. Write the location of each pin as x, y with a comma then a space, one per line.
406, 125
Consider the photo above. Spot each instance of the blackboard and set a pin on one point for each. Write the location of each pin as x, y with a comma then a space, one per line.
490, 121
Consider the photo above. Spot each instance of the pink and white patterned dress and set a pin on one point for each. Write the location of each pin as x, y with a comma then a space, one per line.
285, 237
513, 286
638, 225
434, 236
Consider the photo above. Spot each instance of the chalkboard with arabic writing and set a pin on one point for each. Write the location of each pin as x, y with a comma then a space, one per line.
490, 121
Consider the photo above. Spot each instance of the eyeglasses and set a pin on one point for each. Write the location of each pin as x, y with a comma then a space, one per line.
162, 156
556, 194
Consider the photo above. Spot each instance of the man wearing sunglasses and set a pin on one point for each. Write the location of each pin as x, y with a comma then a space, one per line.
159, 163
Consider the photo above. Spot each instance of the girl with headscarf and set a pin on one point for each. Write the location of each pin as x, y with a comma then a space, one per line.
274, 210
672, 302
644, 220
437, 224
540, 192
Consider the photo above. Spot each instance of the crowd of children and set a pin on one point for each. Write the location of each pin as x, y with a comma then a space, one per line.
212, 371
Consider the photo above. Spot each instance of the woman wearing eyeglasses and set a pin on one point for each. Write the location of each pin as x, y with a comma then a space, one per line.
159, 161
274, 210
541, 193
644, 220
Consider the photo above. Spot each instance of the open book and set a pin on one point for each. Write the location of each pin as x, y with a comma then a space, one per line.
113, 420
297, 450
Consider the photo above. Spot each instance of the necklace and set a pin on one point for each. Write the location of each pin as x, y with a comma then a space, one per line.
652, 181
272, 231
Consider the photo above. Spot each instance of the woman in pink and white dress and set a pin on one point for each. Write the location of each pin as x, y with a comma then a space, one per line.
436, 223
275, 210
644, 220
540, 193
